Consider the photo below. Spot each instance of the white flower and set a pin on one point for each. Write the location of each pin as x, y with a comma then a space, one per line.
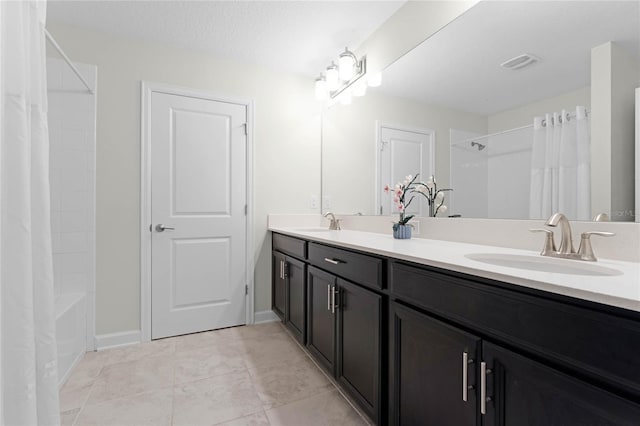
439, 197
421, 188
442, 209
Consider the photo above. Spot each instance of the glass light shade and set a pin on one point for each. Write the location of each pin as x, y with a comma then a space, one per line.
346, 65
333, 80
360, 87
345, 98
321, 88
374, 80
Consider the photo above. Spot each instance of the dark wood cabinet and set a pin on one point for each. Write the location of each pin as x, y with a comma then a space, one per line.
288, 286
419, 345
321, 321
359, 347
279, 285
433, 371
295, 314
523, 392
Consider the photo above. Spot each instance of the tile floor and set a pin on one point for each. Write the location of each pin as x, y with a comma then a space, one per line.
250, 375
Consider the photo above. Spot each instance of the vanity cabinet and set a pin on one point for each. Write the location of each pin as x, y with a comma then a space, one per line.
345, 323
289, 283
433, 371
530, 360
418, 345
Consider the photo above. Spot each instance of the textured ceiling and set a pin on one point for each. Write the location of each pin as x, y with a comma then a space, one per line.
459, 66
295, 36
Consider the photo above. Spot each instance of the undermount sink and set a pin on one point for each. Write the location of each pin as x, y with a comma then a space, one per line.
312, 229
543, 264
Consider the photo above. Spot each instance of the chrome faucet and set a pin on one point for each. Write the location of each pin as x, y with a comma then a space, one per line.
566, 241
566, 250
335, 223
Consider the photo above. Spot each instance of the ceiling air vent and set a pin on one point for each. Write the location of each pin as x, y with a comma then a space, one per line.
520, 61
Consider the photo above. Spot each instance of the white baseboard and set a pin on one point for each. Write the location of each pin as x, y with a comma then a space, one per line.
113, 340
265, 316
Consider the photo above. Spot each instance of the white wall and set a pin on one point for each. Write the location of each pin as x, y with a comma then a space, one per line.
614, 76
523, 115
286, 152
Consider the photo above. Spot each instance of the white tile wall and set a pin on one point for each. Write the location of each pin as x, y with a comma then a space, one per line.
72, 129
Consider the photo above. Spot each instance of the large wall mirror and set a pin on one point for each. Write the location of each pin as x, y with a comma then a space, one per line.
522, 108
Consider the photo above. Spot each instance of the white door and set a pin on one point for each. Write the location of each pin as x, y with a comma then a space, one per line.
198, 198
402, 153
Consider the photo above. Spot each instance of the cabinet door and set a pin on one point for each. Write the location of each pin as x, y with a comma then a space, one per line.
358, 345
427, 371
525, 392
296, 273
320, 320
279, 285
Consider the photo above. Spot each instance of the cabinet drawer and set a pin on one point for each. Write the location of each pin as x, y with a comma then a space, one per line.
356, 267
289, 245
600, 345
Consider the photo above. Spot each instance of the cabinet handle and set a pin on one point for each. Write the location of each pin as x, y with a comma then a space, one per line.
333, 261
465, 385
483, 387
333, 300
282, 269
328, 297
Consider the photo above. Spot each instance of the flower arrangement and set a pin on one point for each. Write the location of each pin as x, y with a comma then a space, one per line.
434, 196
400, 192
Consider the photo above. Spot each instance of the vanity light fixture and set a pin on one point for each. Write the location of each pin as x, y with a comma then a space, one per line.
348, 78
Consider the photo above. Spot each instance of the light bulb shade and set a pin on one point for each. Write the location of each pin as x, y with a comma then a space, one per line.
360, 87
333, 80
321, 88
374, 80
346, 65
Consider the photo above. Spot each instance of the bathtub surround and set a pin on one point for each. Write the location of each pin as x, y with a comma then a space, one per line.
72, 137
28, 373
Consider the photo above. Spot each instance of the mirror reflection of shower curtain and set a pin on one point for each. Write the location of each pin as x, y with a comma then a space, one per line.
561, 166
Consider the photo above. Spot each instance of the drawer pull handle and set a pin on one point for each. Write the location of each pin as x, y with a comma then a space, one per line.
333, 261
465, 385
483, 387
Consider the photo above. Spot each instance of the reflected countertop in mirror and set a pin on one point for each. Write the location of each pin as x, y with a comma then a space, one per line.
482, 116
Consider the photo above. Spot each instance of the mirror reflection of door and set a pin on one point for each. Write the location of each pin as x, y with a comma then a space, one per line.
403, 152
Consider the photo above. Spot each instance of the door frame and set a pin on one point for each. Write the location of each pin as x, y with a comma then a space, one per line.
378, 158
146, 90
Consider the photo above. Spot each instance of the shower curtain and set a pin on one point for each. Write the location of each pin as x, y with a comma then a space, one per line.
561, 166
28, 370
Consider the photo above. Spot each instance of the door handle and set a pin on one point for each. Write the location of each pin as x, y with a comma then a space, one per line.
328, 297
333, 300
333, 261
282, 269
161, 228
483, 387
465, 385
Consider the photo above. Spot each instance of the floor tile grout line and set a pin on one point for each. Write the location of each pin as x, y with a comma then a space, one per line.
331, 379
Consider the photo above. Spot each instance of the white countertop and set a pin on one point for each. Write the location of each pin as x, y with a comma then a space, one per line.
621, 290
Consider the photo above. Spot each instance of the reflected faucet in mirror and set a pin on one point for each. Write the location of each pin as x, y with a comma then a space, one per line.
566, 250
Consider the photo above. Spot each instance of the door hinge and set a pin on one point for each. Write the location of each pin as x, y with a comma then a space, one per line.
246, 290
246, 132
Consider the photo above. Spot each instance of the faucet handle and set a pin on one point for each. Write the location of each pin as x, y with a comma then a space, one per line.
585, 251
549, 243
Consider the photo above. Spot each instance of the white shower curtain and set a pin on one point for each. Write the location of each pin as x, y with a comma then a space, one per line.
561, 166
28, 369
